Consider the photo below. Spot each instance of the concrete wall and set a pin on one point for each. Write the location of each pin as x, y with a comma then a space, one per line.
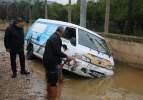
126, 49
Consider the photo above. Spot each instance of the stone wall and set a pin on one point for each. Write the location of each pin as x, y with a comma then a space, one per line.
126, 49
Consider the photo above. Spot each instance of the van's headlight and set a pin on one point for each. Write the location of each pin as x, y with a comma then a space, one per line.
84, 58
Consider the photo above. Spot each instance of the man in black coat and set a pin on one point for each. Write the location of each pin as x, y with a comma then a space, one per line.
14, 44
52, 59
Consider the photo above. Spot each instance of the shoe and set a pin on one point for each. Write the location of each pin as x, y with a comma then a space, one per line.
25, 73
14, 75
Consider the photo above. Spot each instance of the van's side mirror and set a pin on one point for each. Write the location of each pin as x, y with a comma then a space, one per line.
73, 41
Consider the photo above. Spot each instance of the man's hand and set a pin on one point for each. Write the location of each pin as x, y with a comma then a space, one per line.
7, 50
69, 58
60, 66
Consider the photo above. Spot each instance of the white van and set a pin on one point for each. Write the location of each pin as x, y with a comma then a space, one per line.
92, 57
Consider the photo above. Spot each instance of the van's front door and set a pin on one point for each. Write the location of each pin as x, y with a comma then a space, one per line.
70, 40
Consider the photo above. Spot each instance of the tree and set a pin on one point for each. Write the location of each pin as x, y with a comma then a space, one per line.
46, 12
75, 13
126, 16
130, 25
3, 12
58, 12
38, 10
91, 15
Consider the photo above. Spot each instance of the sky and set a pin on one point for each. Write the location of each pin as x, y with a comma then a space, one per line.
64, 1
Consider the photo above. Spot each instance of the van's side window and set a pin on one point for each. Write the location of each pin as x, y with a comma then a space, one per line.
70, 34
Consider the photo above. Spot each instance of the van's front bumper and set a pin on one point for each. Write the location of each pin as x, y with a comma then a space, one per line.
85, 69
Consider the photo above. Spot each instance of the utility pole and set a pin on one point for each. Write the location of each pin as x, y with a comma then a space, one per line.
46, 12
78, 1
83, 12
69, 11
107, 17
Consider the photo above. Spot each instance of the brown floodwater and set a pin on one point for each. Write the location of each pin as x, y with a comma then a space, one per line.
125, 84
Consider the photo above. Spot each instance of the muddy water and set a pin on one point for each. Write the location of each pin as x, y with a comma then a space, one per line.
126, 84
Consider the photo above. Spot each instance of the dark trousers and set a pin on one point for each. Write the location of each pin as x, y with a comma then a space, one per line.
13, 60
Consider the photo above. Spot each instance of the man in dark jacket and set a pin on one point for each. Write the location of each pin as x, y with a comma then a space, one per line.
14, 44
52, 59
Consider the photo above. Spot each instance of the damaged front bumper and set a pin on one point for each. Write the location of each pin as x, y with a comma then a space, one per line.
88, 70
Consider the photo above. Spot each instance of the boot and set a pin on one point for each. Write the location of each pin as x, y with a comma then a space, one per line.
14, 75
24, 72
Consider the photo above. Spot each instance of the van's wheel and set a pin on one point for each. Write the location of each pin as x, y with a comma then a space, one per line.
29, 53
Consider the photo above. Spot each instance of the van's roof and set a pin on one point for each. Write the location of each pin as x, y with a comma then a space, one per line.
67, 24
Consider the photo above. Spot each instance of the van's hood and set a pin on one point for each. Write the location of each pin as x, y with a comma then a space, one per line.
99, 61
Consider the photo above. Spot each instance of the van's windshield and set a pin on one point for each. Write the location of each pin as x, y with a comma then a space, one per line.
93, 42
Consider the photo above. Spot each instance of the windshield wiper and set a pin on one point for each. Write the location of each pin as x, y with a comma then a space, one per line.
91, 39
107, 50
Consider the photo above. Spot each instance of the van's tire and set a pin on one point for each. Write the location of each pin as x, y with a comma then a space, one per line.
29, 53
